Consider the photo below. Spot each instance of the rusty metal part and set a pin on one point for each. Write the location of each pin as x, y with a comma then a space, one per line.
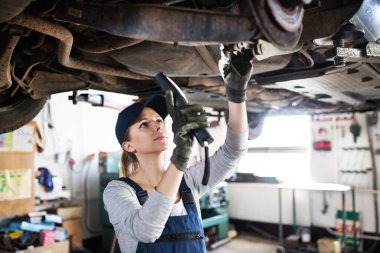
65, 44
104, 44
289, 17
21, 82
45, 83
279, 37
5, 73
175, 60
327, 18
207, 58
159, 23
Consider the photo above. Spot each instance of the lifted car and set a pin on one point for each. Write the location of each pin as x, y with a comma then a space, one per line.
311, 56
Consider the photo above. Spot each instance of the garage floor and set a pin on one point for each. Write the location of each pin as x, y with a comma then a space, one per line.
246, 244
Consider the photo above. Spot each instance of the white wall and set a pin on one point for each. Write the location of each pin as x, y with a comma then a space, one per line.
259, 202
82, 130
79, 132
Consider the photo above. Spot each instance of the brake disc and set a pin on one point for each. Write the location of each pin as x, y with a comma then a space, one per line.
280, 22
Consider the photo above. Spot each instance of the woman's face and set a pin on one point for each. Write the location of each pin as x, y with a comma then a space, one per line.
148, 133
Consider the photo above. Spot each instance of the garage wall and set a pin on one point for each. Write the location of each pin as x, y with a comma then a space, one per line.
259, 202
79, 133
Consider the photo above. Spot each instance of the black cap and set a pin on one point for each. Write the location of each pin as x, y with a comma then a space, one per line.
129, 115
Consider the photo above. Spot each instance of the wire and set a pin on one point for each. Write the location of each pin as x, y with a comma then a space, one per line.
262, 232
206, 174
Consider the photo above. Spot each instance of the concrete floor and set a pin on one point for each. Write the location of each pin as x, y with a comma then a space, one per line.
246, 244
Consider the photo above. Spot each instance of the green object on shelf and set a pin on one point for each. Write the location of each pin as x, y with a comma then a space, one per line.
351, 217
218, 218
214, 211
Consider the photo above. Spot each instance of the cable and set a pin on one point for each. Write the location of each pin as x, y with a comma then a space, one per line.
262, 232
206, 174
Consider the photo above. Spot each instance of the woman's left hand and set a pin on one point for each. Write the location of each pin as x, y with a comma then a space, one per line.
185, 119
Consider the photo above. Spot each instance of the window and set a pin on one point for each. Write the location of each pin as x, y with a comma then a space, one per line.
282, 150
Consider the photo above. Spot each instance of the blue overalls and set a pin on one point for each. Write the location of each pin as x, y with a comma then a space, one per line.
182, 234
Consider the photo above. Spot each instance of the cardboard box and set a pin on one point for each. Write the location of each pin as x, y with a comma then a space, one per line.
74, 230
72, 222
327, 245
70, 212
19, 167
58, 247
20, 140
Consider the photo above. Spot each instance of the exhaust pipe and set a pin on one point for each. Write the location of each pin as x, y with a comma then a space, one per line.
65, 45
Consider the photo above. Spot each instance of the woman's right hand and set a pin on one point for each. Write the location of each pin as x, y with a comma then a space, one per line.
185, 119
236, 70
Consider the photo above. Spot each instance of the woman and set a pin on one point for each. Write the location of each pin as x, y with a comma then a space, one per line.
156, 209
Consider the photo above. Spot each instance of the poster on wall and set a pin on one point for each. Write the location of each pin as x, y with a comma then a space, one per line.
20, 140
15, 184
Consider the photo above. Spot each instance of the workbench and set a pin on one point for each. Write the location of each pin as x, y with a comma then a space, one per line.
311, 186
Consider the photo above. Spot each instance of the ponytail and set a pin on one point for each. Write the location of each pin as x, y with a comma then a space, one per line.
129, 162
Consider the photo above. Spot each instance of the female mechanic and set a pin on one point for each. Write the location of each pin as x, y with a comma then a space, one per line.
154, 208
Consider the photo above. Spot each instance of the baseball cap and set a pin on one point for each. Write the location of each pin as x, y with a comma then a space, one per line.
129, 115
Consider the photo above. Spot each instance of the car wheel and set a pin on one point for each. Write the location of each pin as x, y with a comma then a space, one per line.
17, 110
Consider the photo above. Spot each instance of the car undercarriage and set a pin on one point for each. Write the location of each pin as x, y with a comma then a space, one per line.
311, 56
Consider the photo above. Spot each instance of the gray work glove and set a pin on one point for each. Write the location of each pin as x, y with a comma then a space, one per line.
236, 70
185, 119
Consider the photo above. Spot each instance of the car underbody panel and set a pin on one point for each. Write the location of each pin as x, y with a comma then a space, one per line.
311, 56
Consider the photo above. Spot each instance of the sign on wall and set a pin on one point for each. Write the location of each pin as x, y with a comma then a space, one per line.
20, 140
15, 184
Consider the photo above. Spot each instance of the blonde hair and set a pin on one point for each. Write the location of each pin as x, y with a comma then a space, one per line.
129, 161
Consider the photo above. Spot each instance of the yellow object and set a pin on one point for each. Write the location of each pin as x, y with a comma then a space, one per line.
15, 235
327, 245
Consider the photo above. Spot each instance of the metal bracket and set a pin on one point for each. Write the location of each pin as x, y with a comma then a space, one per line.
93, 99
370, 53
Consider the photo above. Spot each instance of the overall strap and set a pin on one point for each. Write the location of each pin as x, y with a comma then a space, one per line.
185, 192
142, 195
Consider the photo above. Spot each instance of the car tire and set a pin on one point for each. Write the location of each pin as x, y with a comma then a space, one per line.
18, 110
